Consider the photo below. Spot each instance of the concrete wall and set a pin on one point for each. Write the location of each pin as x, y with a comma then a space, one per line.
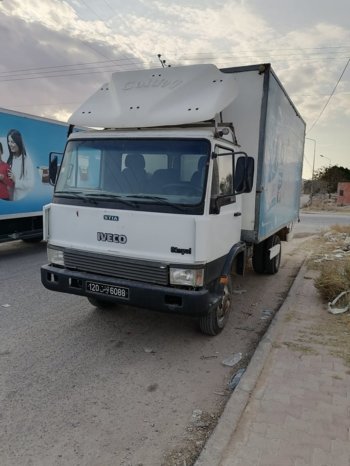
343, 193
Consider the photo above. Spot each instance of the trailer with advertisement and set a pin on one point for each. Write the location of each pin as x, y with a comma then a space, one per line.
194, 172
25, 143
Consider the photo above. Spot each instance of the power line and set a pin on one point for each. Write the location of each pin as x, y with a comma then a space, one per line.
101, 19
331, 95
184, 58
291, 48
84, 42
268, 53
66, 75
93, 11
20, 75
110, 64
51, 68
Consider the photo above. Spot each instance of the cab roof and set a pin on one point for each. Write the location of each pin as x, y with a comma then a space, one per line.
158, 97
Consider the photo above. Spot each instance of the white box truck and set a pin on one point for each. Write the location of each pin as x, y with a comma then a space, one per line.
25, 142
195, 171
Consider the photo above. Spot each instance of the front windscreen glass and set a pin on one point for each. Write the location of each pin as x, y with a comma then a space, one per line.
171, 171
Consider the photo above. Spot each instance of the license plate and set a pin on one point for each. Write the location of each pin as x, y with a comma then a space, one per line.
109, 290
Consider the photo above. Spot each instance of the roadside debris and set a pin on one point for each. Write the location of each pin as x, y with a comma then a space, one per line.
5, 305
220, 393
196, 415
235, 379
333, 264
341, 241
208, 357
342, 300
266, 314
232, 360
200, 419
239, 291
331, 257
148, 350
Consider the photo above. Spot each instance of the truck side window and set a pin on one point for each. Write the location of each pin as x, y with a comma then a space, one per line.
222, 180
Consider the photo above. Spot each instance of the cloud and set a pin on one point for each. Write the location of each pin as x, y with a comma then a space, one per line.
41, 70
182, 30
56, 33
316, 70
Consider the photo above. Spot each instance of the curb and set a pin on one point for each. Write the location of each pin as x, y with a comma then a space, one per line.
215, 447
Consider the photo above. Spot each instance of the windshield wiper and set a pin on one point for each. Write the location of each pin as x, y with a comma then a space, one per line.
76, 195
161, 200
115, 197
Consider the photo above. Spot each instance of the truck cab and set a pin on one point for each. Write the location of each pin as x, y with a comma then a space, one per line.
148, 219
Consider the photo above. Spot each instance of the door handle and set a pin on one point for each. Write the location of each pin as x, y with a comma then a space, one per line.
237, 214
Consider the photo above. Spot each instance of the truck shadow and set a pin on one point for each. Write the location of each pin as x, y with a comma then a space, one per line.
14, 249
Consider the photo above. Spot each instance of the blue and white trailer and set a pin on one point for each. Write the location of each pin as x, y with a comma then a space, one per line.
195, 171
30, 139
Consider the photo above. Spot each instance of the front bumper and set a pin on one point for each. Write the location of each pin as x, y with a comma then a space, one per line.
145, 295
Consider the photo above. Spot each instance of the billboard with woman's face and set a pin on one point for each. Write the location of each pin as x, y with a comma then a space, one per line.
25, 144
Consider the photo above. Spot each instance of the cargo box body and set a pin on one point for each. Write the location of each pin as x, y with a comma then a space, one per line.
269, 128
21, 213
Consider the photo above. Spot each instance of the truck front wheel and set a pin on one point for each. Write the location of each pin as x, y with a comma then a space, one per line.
213, 322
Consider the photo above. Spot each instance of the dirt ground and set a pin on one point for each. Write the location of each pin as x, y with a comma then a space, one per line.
329, 263
264, 294
322, 203
129, 387
322, 250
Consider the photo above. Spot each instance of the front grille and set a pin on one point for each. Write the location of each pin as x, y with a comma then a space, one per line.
118, 267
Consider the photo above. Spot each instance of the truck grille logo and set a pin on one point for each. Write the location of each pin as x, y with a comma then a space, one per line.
113, 218
111, 237
182, 251
152, 82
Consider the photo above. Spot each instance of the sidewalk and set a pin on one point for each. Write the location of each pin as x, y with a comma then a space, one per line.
292, 405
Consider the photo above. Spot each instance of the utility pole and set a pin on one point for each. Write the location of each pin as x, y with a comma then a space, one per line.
324, 157
313, 170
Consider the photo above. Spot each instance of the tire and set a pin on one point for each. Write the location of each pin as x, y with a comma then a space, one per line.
258, 259
216, 319
100, 303
272, 266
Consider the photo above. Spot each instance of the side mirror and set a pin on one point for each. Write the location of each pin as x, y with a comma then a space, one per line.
55, 159
244, 175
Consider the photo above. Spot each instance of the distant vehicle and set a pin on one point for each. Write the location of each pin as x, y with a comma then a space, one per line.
196, 171
29, 139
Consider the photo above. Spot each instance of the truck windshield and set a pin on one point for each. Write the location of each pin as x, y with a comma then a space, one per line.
142, 171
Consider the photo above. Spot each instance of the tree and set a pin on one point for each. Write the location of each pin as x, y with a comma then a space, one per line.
332, 176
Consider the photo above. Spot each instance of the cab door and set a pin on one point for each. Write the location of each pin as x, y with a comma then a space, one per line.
225, 206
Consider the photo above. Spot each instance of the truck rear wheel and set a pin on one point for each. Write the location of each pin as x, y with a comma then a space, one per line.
213, 322
272, 265
258, 259
100, 303
261, 256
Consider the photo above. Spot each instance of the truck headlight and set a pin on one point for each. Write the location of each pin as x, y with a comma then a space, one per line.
187, 277
55, 256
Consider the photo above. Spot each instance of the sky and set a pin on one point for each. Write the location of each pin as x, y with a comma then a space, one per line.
56, 53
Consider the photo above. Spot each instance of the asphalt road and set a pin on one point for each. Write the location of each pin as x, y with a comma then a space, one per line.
86, 387
313, 222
